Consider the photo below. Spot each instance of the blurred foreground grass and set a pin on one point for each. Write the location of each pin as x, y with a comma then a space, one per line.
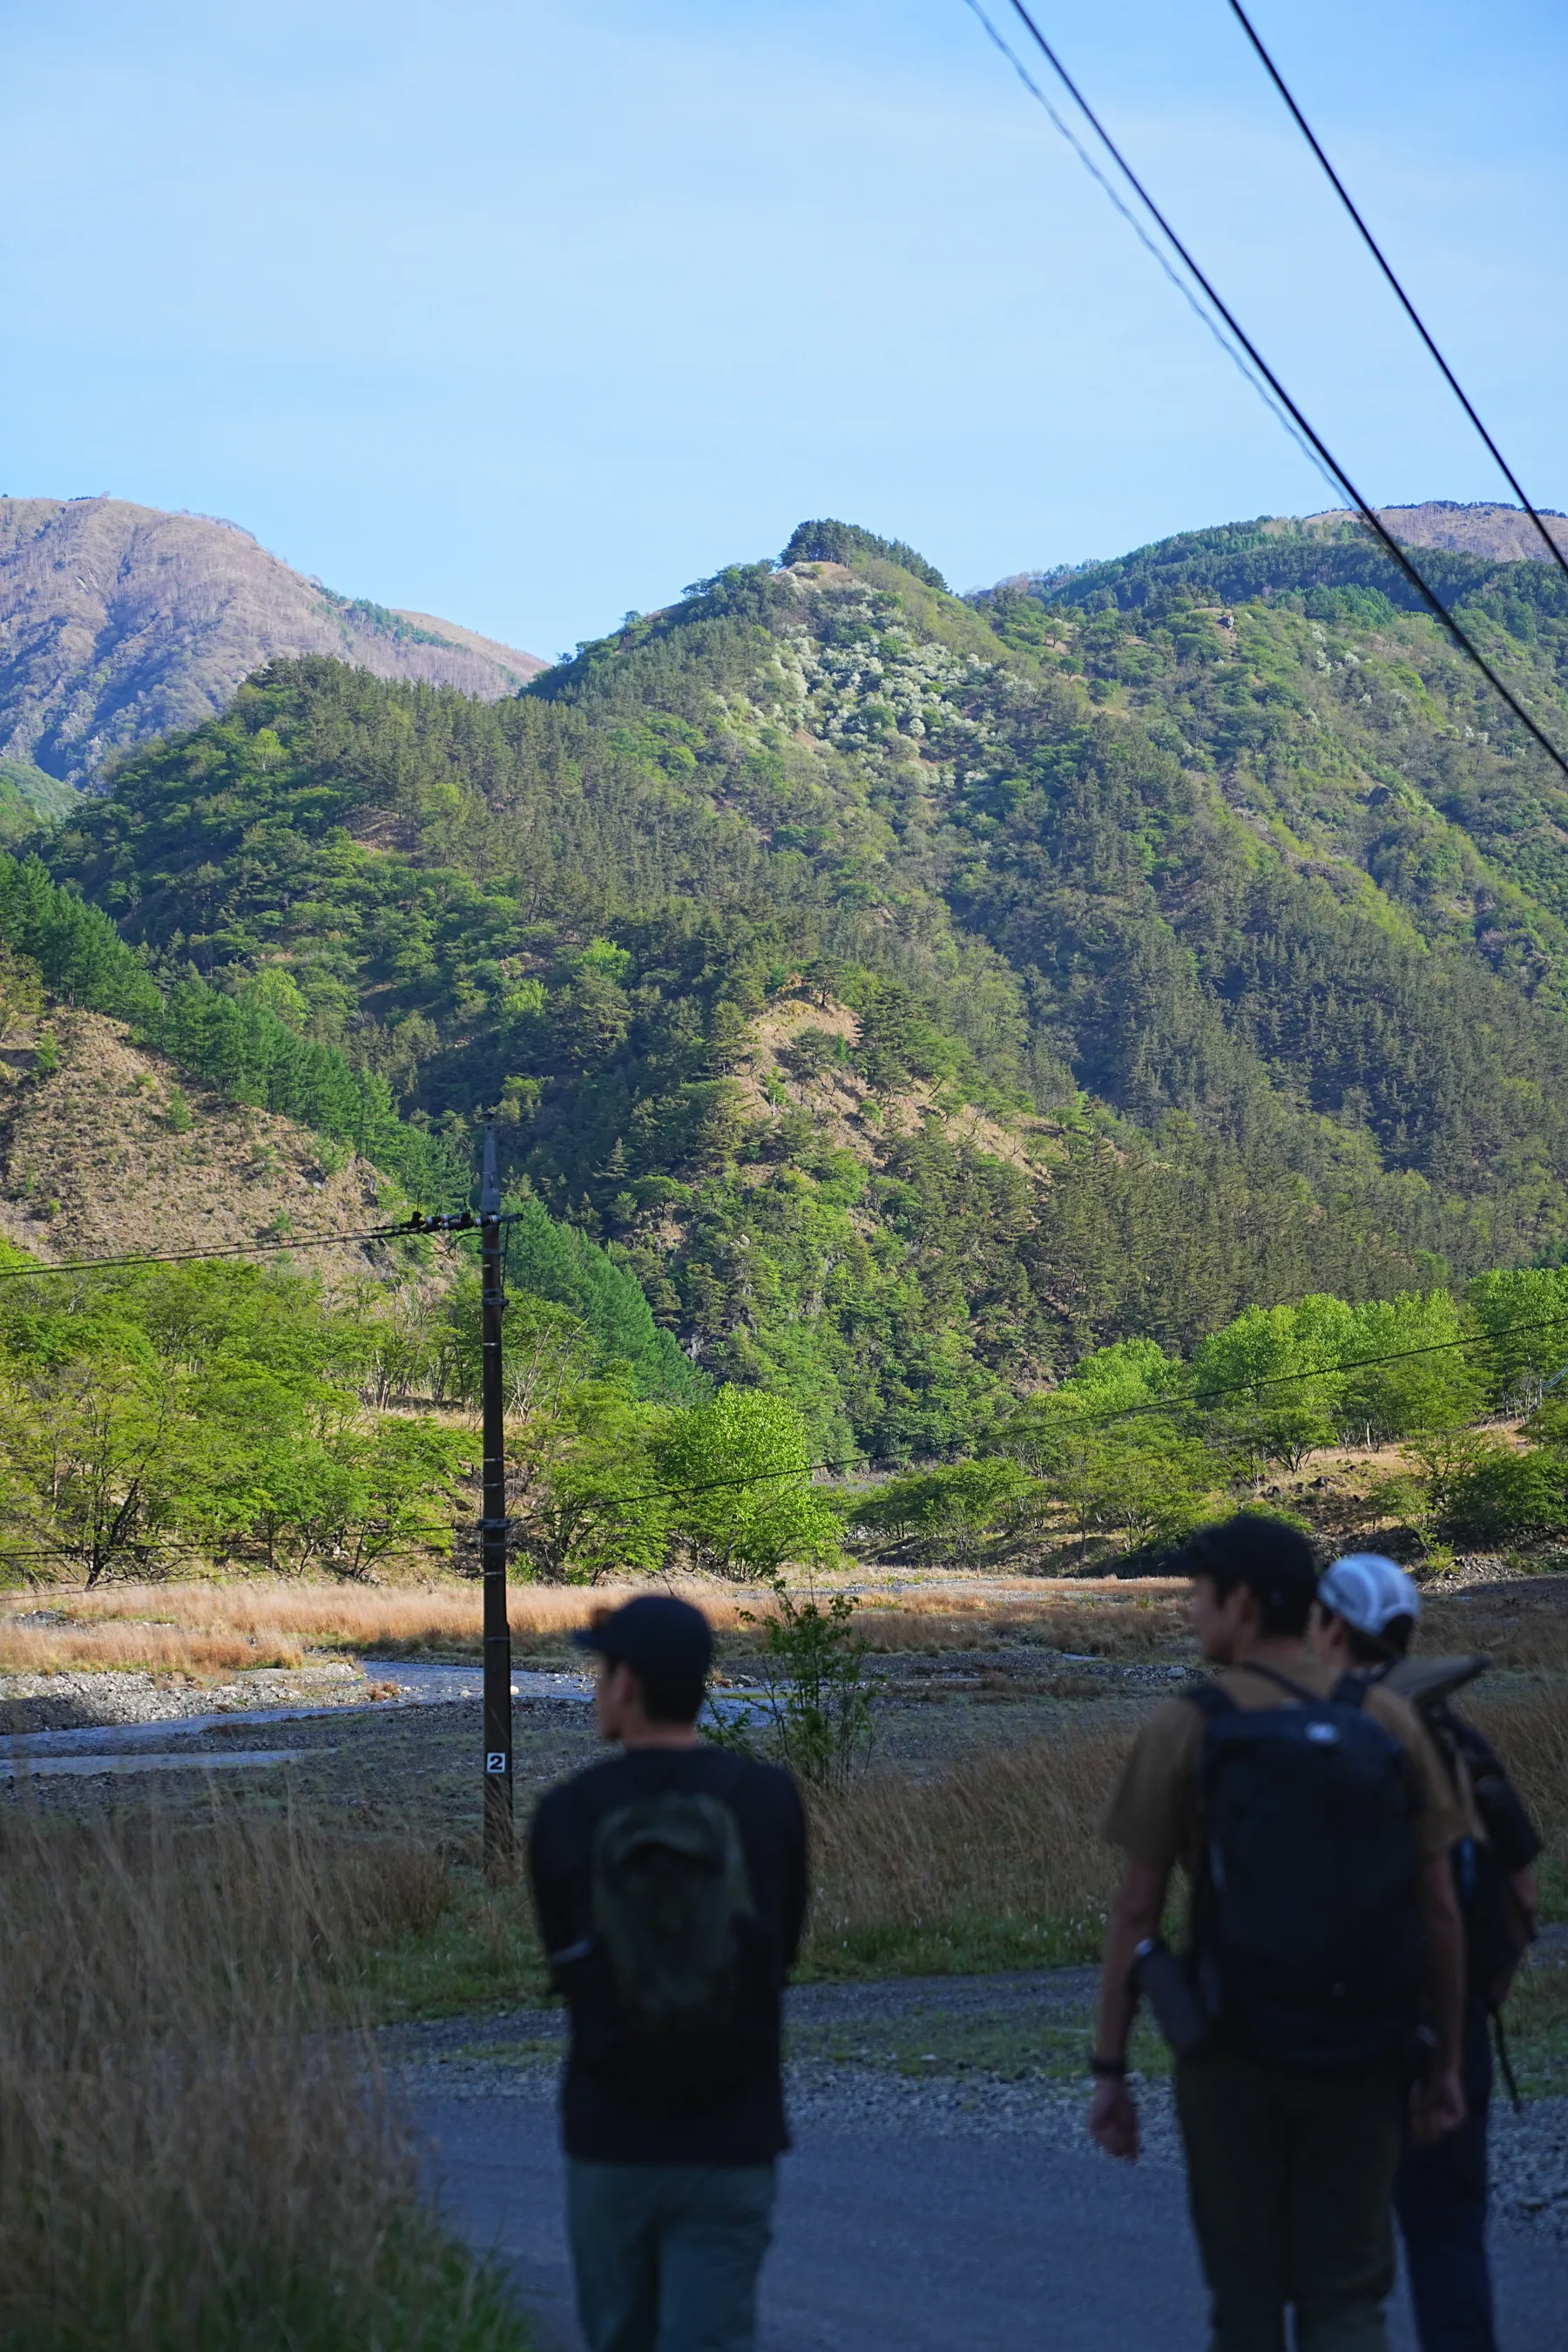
197, 2153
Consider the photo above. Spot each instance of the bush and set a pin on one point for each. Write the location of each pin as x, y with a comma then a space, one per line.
1495, 1495
819, 1706
949, 1510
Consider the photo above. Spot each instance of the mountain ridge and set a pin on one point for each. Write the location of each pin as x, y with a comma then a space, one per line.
1485, 527
916, 993
119, 623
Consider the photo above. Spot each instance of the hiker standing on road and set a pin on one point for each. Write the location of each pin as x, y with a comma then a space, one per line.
670, 1887
1364, 1616
1315, 1820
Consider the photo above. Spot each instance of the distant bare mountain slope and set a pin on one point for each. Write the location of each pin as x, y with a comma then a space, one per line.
1503, 532
118, 622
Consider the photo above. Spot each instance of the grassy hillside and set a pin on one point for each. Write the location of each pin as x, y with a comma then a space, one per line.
915, 994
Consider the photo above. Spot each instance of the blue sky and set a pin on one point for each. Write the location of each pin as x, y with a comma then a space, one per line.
527, 313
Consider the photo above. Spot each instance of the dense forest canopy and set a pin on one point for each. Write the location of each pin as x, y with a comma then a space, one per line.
917, 995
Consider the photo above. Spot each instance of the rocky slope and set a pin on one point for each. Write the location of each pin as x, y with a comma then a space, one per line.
118, 622
1502, 533
105, 1148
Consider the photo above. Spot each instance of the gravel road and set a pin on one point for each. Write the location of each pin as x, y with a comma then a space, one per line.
940, 2195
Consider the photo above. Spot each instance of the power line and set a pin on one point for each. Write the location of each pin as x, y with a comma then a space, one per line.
746, 1479
1204, 317
1368, 513
1373, 247
1167, 1405
1175, 1404
408, 1230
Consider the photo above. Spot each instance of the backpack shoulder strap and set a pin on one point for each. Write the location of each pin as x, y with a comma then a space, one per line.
1351, 1689
1210, 1700
1297, 1690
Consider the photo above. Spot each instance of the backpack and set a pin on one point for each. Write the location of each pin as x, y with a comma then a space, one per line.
1305, 1915
671, 1900
1498, 1930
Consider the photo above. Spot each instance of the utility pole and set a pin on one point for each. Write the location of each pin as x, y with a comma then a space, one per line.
497, 1835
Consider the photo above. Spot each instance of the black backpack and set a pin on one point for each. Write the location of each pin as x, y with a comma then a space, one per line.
1497, 1929
671, 1990
670, 1891
1305, 1915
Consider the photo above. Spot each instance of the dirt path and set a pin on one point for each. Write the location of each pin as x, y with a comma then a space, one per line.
940, 2195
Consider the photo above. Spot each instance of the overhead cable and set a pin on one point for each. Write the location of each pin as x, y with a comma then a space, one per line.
1324, 456
1205, 318
1179, 1404
1168, 1406
1411, 312
409, 1229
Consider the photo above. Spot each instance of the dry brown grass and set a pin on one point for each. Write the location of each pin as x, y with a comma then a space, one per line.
189, 2160
999, 1856
204, 1628
342, 1616
1530, 1734
1107, 1621
163, 1650
1524, 1624
1001, 1839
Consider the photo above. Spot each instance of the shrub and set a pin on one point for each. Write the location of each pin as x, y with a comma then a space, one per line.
819, 1706
1495, 1495
949, 1510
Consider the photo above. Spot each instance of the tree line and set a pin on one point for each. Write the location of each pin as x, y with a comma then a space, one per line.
156, 1419
1137, 1445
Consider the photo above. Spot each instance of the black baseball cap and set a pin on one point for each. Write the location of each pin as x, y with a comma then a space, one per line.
663, 1640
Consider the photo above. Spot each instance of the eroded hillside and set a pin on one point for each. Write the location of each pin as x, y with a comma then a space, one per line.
105, 1148
117, 623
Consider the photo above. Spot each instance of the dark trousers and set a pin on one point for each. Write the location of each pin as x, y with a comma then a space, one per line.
1289, 2179
1441, 2197
667, 2255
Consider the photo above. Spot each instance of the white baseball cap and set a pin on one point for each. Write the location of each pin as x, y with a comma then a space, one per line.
1369, 1593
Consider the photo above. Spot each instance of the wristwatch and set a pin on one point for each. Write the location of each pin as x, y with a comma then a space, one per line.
1113, 2070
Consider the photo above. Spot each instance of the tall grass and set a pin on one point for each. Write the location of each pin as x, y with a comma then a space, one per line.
1130, 1621
997, 1861
203, 1628
196, 2153
1530, 1734
142, 1649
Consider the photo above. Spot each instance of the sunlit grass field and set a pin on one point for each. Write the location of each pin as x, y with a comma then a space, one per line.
204, 1630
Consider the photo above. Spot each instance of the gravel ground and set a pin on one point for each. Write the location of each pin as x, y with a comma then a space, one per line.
69, 1702
891, 2058
923, 2210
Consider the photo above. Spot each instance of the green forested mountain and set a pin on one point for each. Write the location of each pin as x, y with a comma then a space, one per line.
917, 993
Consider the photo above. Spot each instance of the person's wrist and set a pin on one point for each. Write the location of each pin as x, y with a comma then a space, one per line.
1107, 2070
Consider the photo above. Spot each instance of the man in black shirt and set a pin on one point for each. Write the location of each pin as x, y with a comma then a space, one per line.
670, 1887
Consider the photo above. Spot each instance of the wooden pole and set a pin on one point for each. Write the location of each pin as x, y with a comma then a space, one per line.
498, 1830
